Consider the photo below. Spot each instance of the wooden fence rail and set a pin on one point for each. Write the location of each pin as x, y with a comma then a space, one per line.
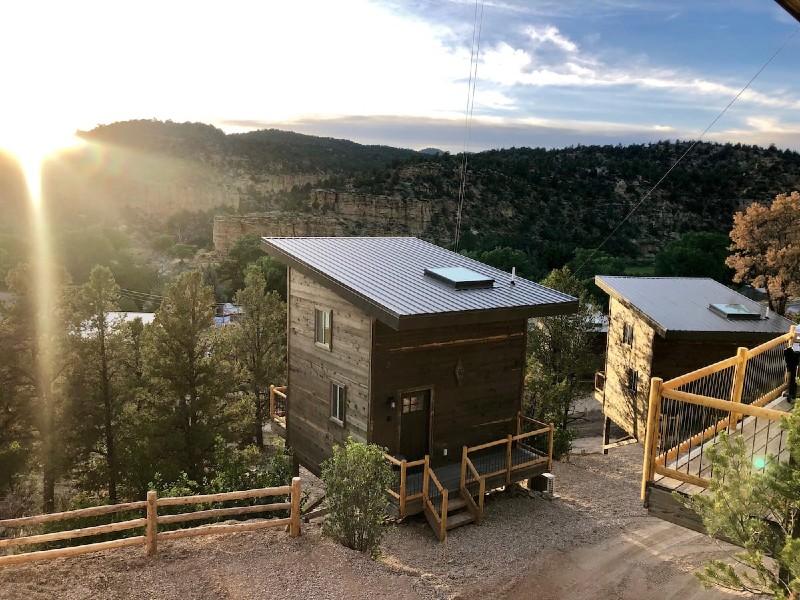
151, 522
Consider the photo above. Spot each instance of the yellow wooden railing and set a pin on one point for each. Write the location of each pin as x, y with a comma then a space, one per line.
747, 365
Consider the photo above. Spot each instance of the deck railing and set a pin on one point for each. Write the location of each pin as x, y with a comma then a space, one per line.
405, 487
151, 521
503, 458
278, 405
434, 499
688, 413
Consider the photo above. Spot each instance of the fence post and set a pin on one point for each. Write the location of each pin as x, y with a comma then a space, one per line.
550, 449
738, 381
271, 402
403, 488
519, 423
152, 522
508, 458
294, 526
464, 466
651, 436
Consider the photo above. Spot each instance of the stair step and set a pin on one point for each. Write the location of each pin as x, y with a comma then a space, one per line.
459, 519
455, 503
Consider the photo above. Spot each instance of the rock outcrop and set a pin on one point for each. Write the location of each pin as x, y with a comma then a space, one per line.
334, 214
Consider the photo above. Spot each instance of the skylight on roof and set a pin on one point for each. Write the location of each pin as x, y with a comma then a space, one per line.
460, 278
735, 312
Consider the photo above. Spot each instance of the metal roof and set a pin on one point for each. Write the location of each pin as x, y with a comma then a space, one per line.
678, 308
385, 277
791, 6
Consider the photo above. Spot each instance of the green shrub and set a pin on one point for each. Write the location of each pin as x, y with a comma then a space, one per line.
356, 478
562, 441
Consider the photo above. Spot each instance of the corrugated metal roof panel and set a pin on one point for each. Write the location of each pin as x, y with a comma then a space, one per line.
388, 275
678, 306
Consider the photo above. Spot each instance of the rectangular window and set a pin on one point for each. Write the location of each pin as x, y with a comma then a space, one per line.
322, 327
338, 402
627, 334
633, 380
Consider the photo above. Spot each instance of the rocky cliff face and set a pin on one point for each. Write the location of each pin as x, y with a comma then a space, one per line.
335, 214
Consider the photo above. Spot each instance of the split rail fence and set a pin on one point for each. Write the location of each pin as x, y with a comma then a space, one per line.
151, 521
689, 413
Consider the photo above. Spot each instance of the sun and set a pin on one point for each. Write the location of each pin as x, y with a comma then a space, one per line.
32, 146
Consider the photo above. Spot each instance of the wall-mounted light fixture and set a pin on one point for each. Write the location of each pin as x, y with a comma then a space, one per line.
391, 403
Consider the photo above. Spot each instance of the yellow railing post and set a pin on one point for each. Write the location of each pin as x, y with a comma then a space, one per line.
294, 527
519, 423
443, 523
151, 529
403, 488
550, 449
272, 402
508, 458
425, 480
464, 467
738, 381
651, 437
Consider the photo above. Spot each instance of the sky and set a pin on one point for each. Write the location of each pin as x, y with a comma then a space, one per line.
550, 73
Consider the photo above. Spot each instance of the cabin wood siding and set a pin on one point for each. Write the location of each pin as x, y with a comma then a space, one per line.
627, 409
312, 369
482, 408
678, 357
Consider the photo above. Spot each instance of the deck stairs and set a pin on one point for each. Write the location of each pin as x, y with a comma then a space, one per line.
459, 512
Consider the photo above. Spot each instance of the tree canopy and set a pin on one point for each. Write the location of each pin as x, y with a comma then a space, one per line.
766, 248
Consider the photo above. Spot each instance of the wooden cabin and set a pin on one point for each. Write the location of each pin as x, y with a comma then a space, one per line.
401, 343
667, 326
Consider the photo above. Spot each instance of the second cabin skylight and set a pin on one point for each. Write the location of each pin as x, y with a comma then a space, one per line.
460, 278
735, 312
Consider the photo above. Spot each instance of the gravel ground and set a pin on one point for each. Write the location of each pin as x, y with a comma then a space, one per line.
593, 540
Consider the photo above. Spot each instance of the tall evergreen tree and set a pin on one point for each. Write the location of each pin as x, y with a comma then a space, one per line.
260, 341
97, 378
34, 336
188, 376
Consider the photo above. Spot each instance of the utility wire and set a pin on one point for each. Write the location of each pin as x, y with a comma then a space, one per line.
477, 25
688, 150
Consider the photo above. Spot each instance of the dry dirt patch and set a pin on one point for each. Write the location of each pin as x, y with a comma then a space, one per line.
594, 540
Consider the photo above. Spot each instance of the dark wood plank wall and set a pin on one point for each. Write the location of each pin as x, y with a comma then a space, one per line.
310, 430
481, 409
672, 358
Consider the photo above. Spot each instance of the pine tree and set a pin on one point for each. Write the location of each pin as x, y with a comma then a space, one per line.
260, 340
34, 337
189, 377
758, 511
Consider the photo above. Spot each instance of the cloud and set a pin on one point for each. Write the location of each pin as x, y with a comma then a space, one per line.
551, 34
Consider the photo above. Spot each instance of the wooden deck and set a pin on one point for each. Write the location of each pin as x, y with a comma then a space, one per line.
491, 462
763, 439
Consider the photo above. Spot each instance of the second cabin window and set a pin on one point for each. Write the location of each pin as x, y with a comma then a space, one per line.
338, 402
322, 327
627, 334
633, 380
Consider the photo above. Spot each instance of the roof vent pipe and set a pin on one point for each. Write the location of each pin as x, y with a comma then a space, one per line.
513, 275
766, 316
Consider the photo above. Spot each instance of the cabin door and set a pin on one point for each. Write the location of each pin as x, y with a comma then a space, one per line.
415, 411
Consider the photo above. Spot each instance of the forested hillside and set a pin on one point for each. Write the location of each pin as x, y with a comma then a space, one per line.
547, 204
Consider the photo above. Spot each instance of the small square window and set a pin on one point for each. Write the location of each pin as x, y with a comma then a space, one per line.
338, 402
633, 380
322, 327
627, 334
413, 403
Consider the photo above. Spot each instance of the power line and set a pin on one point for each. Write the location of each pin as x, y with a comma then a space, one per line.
688, 150
477, 25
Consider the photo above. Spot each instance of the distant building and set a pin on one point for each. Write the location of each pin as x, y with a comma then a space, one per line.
667, 326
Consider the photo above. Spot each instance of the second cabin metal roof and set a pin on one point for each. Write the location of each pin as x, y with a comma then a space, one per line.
385, 277
678, 308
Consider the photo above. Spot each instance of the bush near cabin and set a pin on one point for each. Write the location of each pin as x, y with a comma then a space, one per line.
356, 478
